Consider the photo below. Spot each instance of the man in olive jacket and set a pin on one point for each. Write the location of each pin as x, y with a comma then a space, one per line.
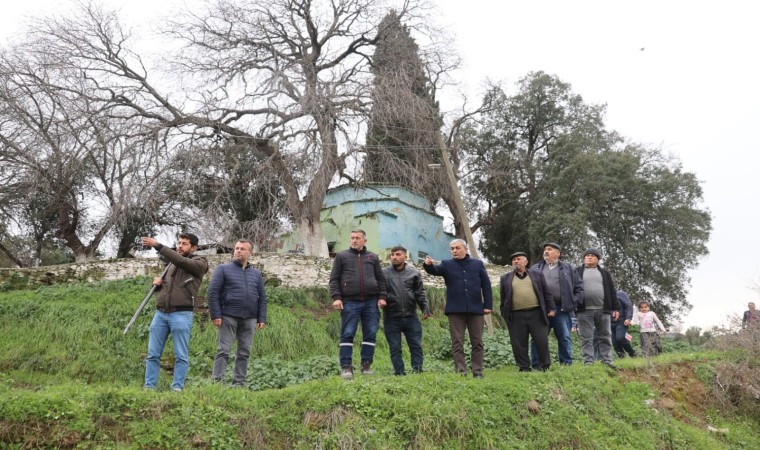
357, 286
405, 294
527, 306
174, 307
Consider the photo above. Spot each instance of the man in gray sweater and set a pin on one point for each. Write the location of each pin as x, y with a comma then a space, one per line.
599, 303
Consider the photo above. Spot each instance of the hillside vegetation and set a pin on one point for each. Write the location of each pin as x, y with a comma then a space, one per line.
69, 378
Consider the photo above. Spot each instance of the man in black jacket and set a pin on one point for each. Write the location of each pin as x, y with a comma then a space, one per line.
405, 294
599, 303
357, 286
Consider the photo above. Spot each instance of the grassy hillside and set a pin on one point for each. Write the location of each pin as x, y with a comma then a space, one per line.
69, 378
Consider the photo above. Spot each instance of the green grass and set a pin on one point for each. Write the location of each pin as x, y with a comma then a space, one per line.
69, 378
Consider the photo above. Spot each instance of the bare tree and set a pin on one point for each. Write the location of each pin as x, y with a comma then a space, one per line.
287, 78
70, 170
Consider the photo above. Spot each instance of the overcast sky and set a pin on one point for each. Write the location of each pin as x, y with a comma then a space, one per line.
679, 74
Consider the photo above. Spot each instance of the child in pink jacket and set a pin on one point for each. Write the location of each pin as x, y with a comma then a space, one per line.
649, 338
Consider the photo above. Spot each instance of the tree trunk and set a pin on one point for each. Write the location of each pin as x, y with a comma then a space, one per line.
311, 236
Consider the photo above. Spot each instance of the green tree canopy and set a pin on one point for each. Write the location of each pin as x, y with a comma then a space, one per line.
547, 169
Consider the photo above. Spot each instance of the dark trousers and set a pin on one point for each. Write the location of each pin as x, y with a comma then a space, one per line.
411, 327
527, 324
473, 323
619, 342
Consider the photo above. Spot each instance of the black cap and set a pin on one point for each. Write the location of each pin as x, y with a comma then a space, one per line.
516, 254
593, 251
190, 237
552, 244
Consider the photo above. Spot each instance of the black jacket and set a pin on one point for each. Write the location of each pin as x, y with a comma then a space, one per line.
357, 275
405, 292
545, 299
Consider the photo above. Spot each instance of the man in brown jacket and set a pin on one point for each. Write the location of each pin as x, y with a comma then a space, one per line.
174, 307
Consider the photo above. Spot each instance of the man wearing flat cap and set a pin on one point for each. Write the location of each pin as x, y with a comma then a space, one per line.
566, 287
599, 303
527, 305
174, 307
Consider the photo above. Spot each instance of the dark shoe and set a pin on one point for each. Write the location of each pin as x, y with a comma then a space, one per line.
526, 369
477, 375
611, 366
347, 372
366, 368
633, 355
621, 355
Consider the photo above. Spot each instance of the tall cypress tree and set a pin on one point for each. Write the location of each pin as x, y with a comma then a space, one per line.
404, 116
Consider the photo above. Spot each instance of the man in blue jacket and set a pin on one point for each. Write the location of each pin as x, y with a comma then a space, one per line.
238, 307
566, 288
468, 298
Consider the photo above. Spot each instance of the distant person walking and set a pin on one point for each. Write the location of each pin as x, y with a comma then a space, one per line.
566, 288
406, 293
527, 305
358, 288
751, 316
650, 324
238, 306
468, 298
174, 307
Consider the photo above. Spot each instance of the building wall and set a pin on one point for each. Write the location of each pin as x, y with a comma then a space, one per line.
291, 270
390, 216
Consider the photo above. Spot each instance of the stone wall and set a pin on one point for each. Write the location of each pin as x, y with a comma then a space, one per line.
291, 270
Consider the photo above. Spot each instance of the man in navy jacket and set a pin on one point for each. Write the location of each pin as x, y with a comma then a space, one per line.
238, 307
468, 298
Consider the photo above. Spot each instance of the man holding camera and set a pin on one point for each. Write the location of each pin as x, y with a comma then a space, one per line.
177, 290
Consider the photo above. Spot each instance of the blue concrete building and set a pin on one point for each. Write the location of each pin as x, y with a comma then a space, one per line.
390, 215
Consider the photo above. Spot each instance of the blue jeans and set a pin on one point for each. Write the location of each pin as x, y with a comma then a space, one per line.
234, 328
179, 324
562, 323
412, 329
351, 314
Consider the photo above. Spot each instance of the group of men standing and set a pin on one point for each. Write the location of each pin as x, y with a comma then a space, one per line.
534, 300
547, 296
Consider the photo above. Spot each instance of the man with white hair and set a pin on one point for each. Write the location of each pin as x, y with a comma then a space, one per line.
468, 299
